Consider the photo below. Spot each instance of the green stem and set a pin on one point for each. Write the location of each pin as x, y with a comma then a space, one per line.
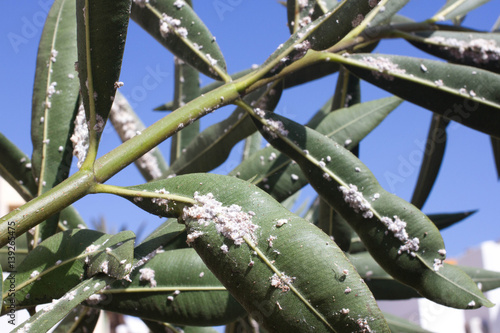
44, 206
101, 188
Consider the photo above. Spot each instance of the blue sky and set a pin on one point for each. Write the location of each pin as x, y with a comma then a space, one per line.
247, 33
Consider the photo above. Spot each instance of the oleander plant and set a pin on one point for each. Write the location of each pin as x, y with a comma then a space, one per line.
230, 251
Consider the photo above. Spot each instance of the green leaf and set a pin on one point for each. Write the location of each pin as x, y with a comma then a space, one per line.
81, 319
181, 31
310, 274
55, 97
390, 9
210, 148
383, 286
15, 168
334, 225
397, 324
252, 144
431, 163
300, 14
187, 88
495, 145
43, 320
158, 327
54, 105
101, 34
113, 261
445, 220
127, 124
176, 287
57, 264
457, 8
244, 325
273, 172
170, 235
477, 49
436, 86
399, 237
14, 252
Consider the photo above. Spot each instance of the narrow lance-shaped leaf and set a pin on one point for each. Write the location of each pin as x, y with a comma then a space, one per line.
57, 264
457, 8
81, 319
176, 26
287, 273
299, 14
15, 168
101, 34
347, 93
127, 124
176, 287
273, 172
252, 144
445, 220
431, 163
43, 320
436, 86
210, 148
478, 49
187, 88
170, 235
383, 286
495, 145
54, 104
398, 236
390, 9
397, 324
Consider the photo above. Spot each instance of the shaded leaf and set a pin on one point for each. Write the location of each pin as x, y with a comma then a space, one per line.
478, 49
170, 235
176, 287
383, 286
399, 237
495, 145
101, 34
12, 254
436, 86
305, 266
56, 265
127, 124
431, 163
252, 144
244, 325
458, 8
43, 320
210, 148
445, 220
187, 88
334, 225
81, 319
273, 172
182, 32
15, 168
390, 9
397, 324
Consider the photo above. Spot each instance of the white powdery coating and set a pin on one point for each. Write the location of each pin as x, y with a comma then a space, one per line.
167, 23
160, 202
363, 325
384, 66
356, 200
179, 4
148, 274
224, 249
230, 221
126, 126
281, 222
96, 299
472, 304
34, 274
212, 61
398, 228
282, 282
438, 263
274, 126
182, 32
480, 51
80, 137
141, 3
